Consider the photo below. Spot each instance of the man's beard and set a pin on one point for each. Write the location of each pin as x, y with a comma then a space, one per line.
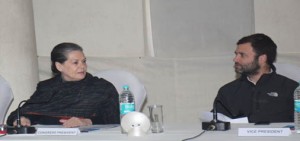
248, 69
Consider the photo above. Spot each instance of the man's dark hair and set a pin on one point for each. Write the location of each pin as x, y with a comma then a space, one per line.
261, 44
60, 54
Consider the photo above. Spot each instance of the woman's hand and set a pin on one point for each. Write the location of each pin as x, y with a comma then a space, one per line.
75, 122
24, 121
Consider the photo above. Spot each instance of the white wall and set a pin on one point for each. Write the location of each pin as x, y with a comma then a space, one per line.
18, 62
105, 28
199, 28
281, 20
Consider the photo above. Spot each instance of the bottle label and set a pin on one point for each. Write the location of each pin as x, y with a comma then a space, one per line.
126, 108
297, 106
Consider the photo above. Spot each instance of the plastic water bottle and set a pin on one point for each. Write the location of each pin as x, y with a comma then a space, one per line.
127, 103
297, 108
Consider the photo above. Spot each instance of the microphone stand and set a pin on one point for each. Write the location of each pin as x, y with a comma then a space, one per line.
19, 129
215, 124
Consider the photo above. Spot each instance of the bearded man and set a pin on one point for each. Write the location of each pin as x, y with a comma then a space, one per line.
259, 93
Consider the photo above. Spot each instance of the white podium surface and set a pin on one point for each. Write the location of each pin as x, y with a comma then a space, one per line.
176, 132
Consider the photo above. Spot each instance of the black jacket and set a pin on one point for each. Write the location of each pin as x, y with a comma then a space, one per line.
54, 99
270, 100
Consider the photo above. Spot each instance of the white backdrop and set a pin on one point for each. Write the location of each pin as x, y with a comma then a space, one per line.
105, 28
18, 57
199, 28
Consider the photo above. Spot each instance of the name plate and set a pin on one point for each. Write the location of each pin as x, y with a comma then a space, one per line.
57, 131
264, 132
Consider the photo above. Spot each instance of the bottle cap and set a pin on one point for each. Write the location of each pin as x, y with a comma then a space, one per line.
125, 87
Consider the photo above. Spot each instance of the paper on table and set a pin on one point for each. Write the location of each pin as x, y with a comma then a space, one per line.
208, 116
82, 128
97, 127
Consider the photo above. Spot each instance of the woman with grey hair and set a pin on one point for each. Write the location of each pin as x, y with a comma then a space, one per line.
72, 97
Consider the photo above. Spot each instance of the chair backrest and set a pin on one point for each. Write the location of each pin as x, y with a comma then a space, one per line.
119, 78
289, 70
6, 97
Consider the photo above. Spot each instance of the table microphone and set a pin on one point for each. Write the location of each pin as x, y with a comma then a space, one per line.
19, 129
215, 124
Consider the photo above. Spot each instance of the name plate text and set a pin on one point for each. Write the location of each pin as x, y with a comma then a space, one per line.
57, 131
264, 132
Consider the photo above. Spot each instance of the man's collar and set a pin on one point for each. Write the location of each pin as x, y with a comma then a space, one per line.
271, 71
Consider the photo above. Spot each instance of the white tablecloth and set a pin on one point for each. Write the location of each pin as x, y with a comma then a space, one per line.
175, 132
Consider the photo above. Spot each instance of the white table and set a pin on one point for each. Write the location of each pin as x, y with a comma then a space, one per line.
172, 133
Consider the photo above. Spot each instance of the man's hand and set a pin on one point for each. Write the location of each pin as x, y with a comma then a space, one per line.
75, 122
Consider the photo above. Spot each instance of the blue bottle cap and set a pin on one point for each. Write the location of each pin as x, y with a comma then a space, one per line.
125, 87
